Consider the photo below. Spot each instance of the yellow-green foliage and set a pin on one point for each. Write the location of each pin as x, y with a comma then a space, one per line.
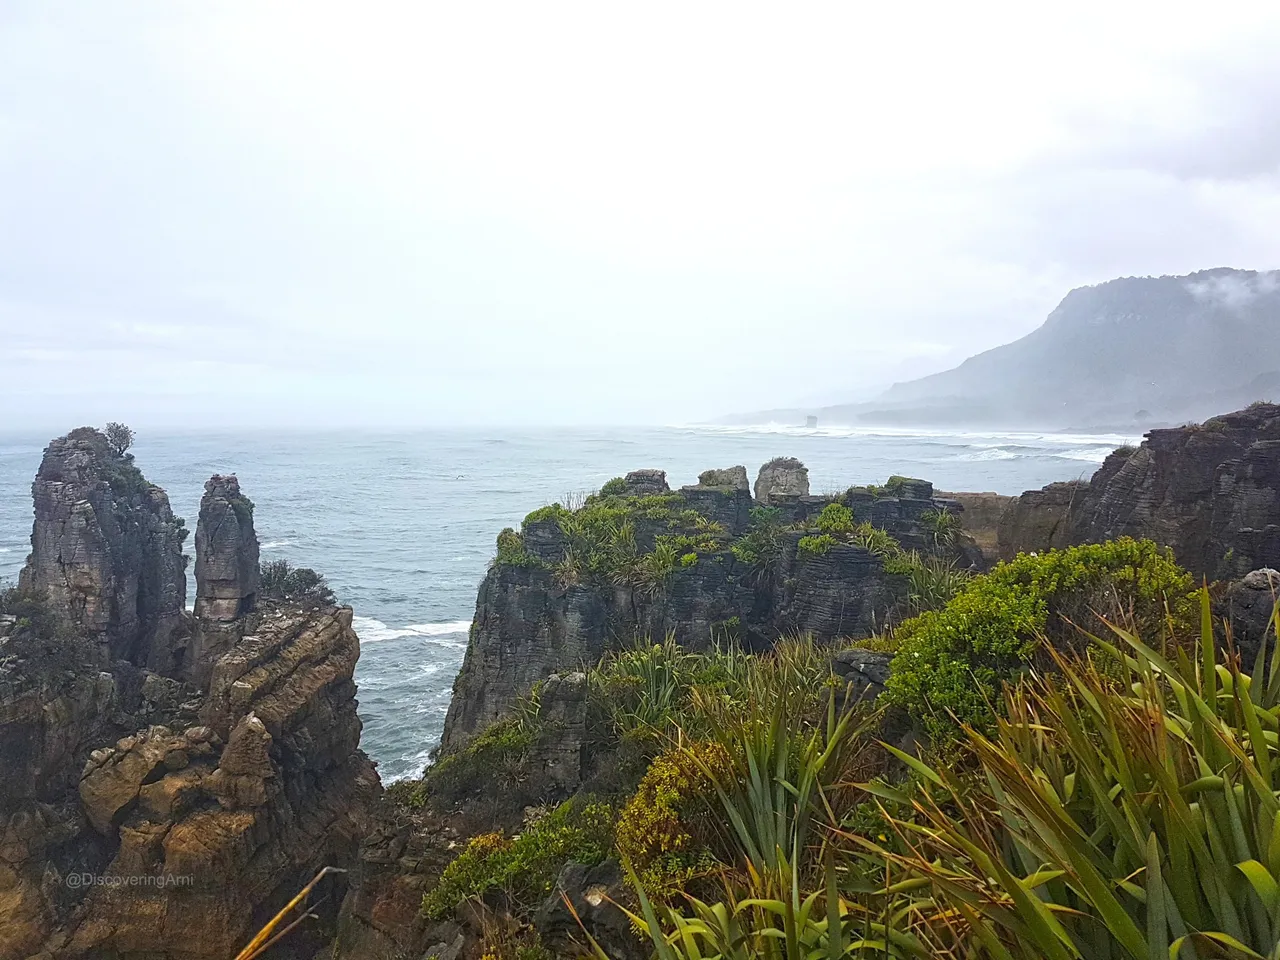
816, 546
656, 829
524, 867
952, 661
835, 518
602, 545
511, 551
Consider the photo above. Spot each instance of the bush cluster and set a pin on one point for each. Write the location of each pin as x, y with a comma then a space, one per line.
281, 580
525, 867
951, 662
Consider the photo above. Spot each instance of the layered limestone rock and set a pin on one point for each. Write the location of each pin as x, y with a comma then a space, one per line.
734, 478
1211, 492
644, 483
226, 552
106, 550
782, 477
198, 807
530, 623
981, 515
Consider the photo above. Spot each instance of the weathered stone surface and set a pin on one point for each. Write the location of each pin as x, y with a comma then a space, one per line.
643, 483
563, 706
226, 552
1038, 520
594, 893
108, 772
1211, 492
1250, 604
840, 593
865, 671
735, 478
106, 550
782, 477
980, 516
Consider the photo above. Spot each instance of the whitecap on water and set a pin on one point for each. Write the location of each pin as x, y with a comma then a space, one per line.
275, 544
452, 633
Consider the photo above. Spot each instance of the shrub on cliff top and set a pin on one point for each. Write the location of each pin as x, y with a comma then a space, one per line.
835, 518
119, 437
281, 580
951, 662
525, 867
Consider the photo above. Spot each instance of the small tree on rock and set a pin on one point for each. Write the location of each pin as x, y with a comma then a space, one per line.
120, 437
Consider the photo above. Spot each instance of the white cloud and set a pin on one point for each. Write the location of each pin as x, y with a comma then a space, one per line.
507, 212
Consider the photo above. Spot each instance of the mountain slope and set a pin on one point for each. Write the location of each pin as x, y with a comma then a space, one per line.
1134, 349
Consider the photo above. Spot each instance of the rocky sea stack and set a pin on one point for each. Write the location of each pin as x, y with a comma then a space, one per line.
171, 780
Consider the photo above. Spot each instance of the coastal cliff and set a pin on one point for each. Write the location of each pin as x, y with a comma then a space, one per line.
702, 564
1210, 492
173, 779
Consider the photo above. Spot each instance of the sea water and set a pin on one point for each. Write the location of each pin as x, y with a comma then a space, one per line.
403, 523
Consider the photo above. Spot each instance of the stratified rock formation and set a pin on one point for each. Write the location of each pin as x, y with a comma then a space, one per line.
1211, 492
532, 622
150, 810
226, 552
782, 477
106, 550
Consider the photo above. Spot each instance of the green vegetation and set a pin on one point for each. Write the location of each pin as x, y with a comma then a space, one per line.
281, 580
614, 488
816, 546
494, 757
761, 545
32, 611
119, 437
623, 540
835, 518
524, 867
951, 662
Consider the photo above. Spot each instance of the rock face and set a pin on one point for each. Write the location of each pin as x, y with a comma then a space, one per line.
1250, 603
734, 478
106, 549
226, 552
1211, 492
644, 483
530, 625
981, 514
200, 806
782, 477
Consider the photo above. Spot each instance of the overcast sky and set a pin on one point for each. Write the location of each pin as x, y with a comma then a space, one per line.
235, 213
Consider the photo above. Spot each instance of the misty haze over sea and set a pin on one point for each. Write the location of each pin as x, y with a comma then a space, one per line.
403, 524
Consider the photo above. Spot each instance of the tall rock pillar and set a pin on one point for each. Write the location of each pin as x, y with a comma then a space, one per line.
226, 552
106, 550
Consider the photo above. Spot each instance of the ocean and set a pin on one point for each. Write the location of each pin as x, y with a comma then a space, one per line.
403, 524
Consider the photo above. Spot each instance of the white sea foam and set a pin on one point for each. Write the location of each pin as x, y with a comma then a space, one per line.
449, 634
1087, 454
275, 544
990, 453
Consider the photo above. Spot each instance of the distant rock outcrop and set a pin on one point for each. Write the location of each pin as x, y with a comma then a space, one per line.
1209, 491
150, 809
106, 551
782, 477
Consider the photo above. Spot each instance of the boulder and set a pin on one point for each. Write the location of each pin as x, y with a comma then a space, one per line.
644, 483
732, 478
782, 477
865, 671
